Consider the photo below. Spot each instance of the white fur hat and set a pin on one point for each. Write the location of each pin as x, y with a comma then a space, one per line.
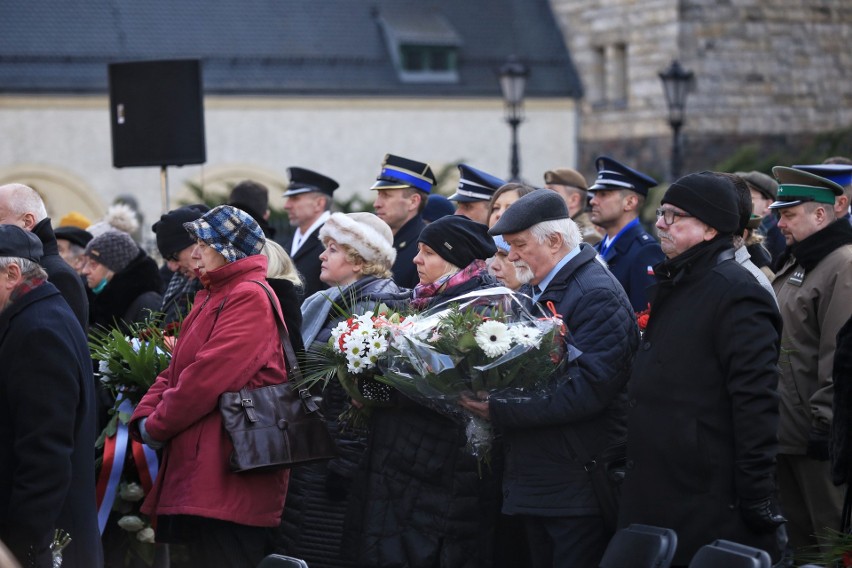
371, 237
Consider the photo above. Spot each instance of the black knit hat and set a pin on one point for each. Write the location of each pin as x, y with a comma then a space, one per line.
709, 197
74, 235
171, 236
458, 240
114, 249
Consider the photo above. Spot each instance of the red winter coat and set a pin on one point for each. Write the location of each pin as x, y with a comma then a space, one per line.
212, 356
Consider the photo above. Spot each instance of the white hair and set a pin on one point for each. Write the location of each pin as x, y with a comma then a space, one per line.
23, 199
565, 227
29, 269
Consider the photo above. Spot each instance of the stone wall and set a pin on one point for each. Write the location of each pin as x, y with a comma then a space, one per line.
767, 72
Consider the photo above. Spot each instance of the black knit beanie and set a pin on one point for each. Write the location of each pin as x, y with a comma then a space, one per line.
458, 240
171, 235
709, 197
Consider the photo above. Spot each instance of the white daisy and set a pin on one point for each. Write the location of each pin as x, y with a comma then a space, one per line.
528, 336
493, 338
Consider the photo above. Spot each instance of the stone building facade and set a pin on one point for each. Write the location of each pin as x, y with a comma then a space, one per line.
771, 79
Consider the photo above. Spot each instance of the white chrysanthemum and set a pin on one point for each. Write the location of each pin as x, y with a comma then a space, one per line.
356, 364
378, 344
103, 367
526, 335
146, 535
131, 523
354, 347
493, 338
339, 330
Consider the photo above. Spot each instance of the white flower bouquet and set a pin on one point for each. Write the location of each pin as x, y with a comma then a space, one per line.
482, 344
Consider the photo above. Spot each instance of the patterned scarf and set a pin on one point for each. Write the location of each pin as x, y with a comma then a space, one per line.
425, 292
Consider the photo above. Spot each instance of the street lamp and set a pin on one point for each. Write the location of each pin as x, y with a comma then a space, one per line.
676, 84
513, 78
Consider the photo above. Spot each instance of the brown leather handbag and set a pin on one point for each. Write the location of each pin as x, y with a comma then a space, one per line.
277, 426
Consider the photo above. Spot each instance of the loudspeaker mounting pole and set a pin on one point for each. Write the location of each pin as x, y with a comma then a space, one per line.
164, 188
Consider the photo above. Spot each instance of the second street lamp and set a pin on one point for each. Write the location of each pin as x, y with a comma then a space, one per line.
676, 84
513, 79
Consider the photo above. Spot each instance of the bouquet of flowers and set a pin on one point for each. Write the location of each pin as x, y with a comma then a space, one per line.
486, 344
353, 352
127, 367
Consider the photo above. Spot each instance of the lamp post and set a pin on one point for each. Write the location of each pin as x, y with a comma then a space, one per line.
513, 78
676, 84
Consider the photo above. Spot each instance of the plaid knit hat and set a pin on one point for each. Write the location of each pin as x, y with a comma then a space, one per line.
231, 231
114, 249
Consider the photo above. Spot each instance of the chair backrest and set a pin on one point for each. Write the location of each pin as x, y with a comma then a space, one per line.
640, 546
730, 555
281, 561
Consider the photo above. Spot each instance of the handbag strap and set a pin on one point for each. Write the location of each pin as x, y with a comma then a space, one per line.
293, 371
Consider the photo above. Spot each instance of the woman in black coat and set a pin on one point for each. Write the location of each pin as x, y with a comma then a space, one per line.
356, 266
124, 280
419, 500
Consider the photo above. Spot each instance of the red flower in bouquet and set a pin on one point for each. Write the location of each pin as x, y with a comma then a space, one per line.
643, 317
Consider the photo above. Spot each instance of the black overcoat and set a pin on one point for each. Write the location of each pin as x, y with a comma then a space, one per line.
47, 429
703, 403
405, 243
61, 275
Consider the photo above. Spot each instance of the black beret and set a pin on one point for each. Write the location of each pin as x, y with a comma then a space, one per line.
532, 208
18, 243
710, 197
458, 240
74, 235
171, 236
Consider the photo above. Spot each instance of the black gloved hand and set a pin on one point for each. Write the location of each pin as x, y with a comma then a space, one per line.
761, 515
336, 486
818, 444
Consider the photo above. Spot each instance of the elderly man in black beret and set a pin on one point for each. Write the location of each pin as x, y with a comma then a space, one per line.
546, 482
703, 406
47, 418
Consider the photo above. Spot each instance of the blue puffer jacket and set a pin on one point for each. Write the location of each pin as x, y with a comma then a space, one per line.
543, 476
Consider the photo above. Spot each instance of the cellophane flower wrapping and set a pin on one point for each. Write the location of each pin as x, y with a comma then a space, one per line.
488, 343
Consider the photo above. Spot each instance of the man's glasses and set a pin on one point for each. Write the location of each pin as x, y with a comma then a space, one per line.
670, 215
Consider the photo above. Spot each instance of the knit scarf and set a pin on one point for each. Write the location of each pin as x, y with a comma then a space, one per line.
811, 250
424, 292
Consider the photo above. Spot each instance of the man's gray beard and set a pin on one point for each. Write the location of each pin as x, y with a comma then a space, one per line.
523, 272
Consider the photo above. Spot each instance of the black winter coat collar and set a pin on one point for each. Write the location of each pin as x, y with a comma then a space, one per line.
694, 261
38, 293
44, 231
810, 251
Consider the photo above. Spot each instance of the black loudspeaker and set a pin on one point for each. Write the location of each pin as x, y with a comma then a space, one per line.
157, 113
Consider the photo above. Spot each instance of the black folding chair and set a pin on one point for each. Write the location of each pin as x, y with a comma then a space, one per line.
730, 555
640, 546
281, 561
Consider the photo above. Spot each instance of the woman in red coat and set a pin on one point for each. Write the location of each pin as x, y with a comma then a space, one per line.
229, 340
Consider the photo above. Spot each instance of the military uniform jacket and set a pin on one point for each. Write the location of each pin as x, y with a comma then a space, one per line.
814, 290
631, 259
703, 408
308, 263
405, 243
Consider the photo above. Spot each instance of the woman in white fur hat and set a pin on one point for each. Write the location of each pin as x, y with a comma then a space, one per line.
356, 265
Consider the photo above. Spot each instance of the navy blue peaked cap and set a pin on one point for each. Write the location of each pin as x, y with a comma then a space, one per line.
613, 175
303, 180
475, 185
401, 173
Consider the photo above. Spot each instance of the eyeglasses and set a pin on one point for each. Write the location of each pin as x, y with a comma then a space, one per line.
669, 215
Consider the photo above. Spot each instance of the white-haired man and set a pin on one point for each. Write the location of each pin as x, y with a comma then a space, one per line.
546, 481
21, 205
47, 418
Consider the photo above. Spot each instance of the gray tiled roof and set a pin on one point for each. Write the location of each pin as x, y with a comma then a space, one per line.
274, 46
